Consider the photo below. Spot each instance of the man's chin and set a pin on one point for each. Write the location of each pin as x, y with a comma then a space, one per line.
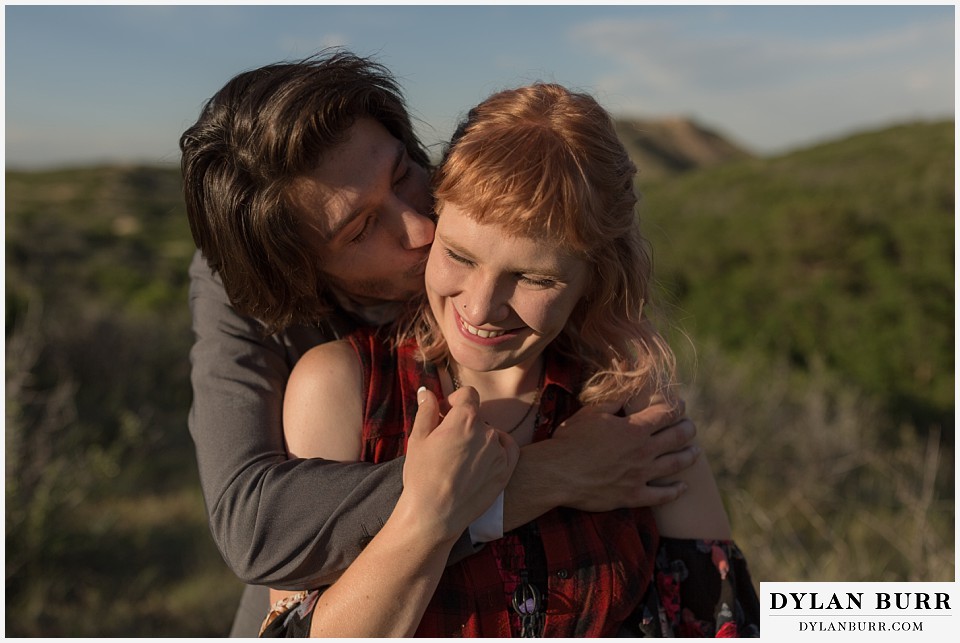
407, 296
381, 295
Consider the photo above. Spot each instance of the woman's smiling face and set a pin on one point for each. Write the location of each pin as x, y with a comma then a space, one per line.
499, 299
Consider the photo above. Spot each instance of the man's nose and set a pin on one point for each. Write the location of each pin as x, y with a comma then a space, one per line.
415, 230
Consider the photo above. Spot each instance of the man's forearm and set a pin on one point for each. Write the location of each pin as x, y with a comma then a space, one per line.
535, 487
300, 523
598, 461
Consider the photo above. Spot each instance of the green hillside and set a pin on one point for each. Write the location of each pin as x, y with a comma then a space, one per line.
114, 236
841, 254
105, 526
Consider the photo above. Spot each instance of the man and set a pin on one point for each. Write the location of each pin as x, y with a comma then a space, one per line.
307, 193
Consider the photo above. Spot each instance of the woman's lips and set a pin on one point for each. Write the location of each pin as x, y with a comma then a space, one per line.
481, 336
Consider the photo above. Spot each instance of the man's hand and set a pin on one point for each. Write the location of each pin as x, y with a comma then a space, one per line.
619, 460
599, 461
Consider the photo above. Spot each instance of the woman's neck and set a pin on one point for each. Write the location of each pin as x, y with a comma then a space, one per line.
510, 383
509, 398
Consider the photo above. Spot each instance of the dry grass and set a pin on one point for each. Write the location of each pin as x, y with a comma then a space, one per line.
817, 488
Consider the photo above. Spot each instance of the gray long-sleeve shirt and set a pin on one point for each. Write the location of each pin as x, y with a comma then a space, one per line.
285, 523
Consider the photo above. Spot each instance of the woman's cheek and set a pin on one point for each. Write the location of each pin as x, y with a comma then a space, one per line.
439, 277
542, 312
550, 313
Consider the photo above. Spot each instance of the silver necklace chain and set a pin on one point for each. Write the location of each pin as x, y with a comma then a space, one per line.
533, 404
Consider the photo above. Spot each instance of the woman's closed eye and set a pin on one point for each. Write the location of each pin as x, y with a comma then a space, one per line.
457, 258
537, 282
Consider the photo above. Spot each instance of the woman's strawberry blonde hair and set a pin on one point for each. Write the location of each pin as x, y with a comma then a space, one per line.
544, 161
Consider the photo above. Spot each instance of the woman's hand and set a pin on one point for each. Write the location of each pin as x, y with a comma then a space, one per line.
454, 469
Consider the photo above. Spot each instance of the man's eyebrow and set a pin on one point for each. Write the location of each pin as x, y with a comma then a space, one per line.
335, 231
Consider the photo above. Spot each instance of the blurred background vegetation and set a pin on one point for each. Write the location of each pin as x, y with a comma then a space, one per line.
810, 297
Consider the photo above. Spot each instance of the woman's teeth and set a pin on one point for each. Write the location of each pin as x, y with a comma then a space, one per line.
479, 332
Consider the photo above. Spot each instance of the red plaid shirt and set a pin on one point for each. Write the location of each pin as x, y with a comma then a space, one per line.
596, 566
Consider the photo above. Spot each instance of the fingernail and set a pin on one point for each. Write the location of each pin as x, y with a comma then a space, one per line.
421, 394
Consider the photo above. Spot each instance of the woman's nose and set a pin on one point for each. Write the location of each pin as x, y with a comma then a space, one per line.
483, 301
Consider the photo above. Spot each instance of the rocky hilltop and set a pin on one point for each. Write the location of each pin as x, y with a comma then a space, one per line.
668, 146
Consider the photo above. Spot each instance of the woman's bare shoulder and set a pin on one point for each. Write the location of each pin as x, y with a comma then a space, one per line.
330, 357
323, 404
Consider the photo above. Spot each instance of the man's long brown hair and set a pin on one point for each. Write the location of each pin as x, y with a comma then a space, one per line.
264, 128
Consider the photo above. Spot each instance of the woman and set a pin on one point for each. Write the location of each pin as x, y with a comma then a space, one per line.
535, 291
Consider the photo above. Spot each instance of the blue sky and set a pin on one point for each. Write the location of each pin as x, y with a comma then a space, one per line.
120, 83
